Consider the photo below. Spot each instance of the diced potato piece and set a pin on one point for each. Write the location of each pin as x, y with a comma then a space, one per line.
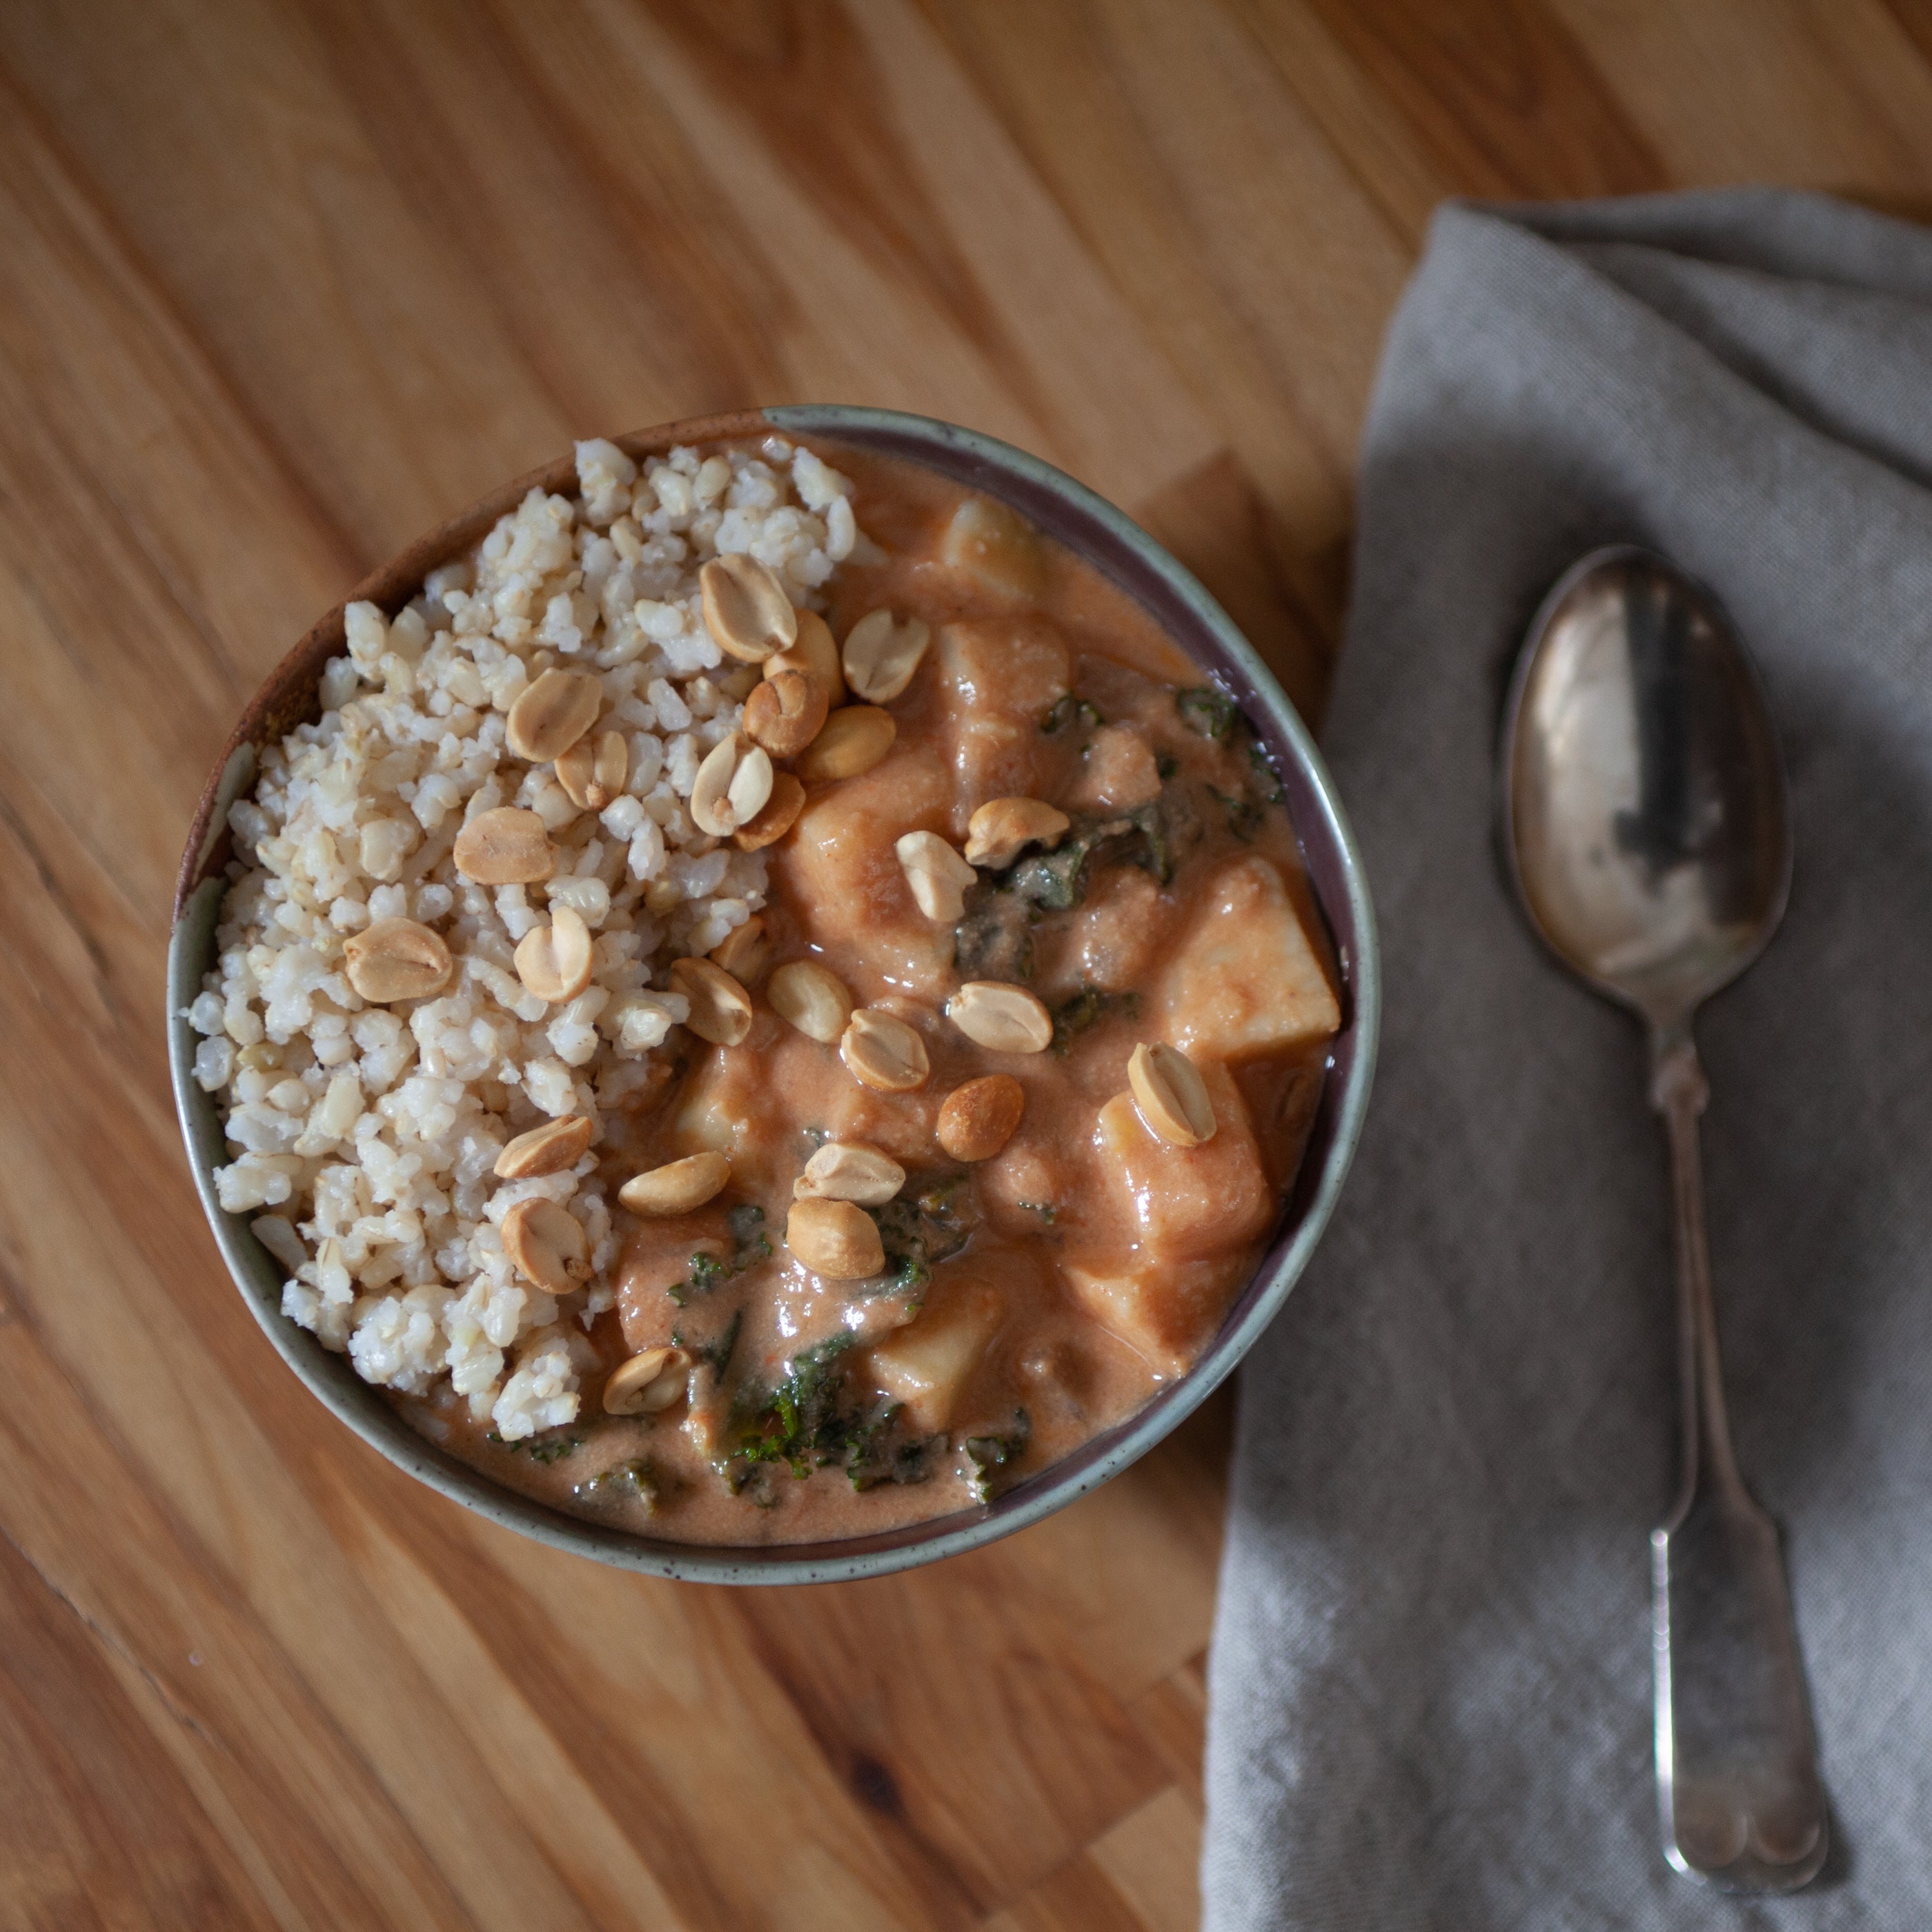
1193, 1211
927, 1364
1184, 1203
1113, 938
994, 546
997, 681
1118, 772
1168, 1314
746, 1101
1245, 979
843, 875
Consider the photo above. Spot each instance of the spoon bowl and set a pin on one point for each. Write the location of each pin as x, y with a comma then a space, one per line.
1643, 787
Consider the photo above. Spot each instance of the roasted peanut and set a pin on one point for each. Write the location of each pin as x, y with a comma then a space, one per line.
881, 656
834, 1239
879, 1050
593, 772
743, 951
678, 1187
505, 847
721, 1008
746, 609
647, 1383
937, 874
733, 785
552, 713
854, 740
1002, 828
779, 815
785, 713
850, 1171
979, 1118
554, 961
812, 997
1001, 1018
814, 653
548, 1149
1170, 1096
396, 959
547, 1243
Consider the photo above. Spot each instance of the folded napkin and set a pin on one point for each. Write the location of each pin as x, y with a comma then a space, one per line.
1430, 1689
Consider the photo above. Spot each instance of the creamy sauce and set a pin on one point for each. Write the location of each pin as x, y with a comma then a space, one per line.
1042, 1295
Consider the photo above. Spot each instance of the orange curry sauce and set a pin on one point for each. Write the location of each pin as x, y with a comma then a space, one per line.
1035, 1298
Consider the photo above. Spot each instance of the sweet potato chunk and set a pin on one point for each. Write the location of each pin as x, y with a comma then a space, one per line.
928, 1364
1194, 1210
1245, 979
997, 681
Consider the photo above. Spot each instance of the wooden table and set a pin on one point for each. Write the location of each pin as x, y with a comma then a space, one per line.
282, 282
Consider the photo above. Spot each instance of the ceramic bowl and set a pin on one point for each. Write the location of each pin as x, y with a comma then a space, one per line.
1123, 552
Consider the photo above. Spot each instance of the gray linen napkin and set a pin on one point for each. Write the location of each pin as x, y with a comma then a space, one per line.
1430, 1688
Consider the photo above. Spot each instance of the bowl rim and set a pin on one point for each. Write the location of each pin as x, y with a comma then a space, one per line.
287, 695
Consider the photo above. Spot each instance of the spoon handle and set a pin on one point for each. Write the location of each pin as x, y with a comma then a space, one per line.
1738, 1793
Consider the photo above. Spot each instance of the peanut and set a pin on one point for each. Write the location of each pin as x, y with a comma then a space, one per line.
881, 656
812, 998
1170, 1096
938, 875
979, 1118
547, 1243
834, 1239
854, 740
592, 772
1002, 827
743, 951
396, 959
814, 654
647, 1383
1001, 1018
721, 1008
785, 713
505, 847
554, 961
678, 1187
850, 1171
879, 1050
548, 1149
732, 787
552, 713
746, 610
779, 815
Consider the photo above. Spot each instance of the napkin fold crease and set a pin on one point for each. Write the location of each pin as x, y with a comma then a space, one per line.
1429, 1692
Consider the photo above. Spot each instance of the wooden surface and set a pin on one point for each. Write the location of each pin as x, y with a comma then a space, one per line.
282, 283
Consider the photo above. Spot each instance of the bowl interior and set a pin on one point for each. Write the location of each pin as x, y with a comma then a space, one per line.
1116, 547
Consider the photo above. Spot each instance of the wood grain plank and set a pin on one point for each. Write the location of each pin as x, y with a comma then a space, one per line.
1499, 95
100, 1829
1833, 97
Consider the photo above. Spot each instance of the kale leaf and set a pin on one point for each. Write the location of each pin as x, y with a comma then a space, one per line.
634, 1481
921, 1226
986, 1455
993, 941
815, 1420
1206, 710
1073, 1016
1065, 710
707, 1272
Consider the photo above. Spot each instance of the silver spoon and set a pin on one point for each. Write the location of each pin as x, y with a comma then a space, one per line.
1644, 815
